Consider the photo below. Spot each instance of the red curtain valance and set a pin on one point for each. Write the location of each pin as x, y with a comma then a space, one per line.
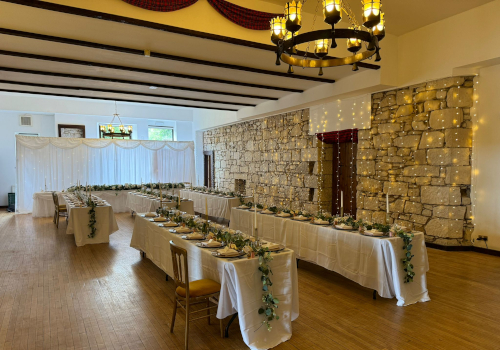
161, 5
348, 135
242, 16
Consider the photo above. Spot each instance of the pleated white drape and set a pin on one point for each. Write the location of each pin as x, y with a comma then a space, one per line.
61, 162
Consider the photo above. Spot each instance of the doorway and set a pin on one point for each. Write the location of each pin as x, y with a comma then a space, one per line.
208, 166
344, 177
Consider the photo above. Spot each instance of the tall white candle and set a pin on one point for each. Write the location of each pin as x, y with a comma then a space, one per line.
206, 208
255, 210
341, 199
387, 202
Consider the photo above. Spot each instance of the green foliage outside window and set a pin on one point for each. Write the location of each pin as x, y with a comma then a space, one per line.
161, 134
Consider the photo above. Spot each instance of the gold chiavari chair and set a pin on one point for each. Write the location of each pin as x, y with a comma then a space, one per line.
58, 208
192, 293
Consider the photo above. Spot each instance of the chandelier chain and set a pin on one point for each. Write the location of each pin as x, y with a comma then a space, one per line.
312, 28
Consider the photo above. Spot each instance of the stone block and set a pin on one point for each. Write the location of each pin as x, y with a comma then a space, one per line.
421, 170
404, 97
446, 118
309, 154
364, 134
449, 212
413, 207
397, 206
365, 215
419, 219
420, 157
459, 97
369, 185
445, 228
396, 188
424, 96
431, 139
431, 105
382, 116
404, 111
363, 144
440, 195
393, 159
389, 128
448, 156
419, 126
371, 203
410, 141
441, 95
437, 182
458, 137
378, 217
367, 154
380, 166
458, 175
388, 101
445, 83
365, 167
382, 141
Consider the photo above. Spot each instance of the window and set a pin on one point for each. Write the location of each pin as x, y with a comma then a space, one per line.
161, 133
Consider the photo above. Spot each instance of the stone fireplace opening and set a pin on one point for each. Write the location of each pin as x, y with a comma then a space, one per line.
240, 186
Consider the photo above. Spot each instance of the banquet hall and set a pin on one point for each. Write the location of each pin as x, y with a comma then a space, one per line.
249, 174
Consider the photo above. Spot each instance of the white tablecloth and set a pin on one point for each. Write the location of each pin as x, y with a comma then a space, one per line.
43, 205
372, 262
240, 279
78, 222
138, 203
218, 207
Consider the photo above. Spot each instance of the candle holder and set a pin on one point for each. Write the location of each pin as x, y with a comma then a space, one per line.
341, 212
387, 219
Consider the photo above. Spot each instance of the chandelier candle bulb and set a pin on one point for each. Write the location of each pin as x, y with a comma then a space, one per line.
379, 29
278, 29
332, 12
371, 13
293, 15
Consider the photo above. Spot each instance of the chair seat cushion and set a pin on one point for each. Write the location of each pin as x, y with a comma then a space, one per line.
200, 288
63, 207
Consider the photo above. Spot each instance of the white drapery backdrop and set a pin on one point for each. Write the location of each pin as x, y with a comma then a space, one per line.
61, 162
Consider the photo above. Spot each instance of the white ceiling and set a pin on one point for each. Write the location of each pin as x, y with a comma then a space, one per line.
404, 16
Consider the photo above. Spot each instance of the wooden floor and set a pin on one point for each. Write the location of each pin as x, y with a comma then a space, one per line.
54, 295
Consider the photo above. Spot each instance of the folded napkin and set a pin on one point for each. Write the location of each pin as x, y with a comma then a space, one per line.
227, 251
183, 229
300, 217
267, 212
243, 207
270, 245
374, 233
211, 243
170, 224
284, 215
195, 235
150, 215
343, 226
321, 222
160, 219
253, 209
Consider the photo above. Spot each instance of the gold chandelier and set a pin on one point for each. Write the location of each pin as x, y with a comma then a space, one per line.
284, 34
109, 130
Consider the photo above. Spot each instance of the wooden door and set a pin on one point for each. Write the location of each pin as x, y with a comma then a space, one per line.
208, 165
344, 177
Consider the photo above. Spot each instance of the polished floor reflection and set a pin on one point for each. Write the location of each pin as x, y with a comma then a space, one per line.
54, 295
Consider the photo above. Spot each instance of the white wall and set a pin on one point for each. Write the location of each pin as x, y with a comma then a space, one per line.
486, 158
42, 124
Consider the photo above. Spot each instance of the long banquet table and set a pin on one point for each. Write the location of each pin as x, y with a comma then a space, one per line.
139, 203
43, 204
372, 262
78, 222
218, 207
241, 290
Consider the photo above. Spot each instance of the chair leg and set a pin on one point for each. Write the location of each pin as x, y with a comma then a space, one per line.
57, 220
221, 328
54, 220
208, 311
187, 325
173, 316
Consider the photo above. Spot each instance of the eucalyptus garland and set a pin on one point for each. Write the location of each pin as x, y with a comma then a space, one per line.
268, 310
407, 245
92, 220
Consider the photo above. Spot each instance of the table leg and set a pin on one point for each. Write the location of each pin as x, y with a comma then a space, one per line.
298, 263
374, 295
226, 334
166, 277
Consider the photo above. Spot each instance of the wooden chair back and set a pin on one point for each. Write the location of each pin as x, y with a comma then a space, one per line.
180, 265
56, 200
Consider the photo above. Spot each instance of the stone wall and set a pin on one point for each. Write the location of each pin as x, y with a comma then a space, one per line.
419, 151
277, 158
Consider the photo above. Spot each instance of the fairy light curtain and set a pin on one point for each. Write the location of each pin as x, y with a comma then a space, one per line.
59, 163
242, 16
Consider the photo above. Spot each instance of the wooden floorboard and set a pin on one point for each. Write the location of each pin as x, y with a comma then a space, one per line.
54, 295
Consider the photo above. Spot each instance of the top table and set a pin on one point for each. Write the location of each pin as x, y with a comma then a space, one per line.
140, 203
78, 222
372, 262
240, 281
218, 207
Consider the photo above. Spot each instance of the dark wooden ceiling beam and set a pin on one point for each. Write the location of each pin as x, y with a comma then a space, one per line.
77, 88
133, 82
114, 99
157, 26
142, 70
137, 52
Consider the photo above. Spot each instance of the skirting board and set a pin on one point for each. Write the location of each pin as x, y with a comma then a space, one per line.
452, 248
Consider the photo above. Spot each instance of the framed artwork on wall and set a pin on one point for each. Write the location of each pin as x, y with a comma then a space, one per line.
74, 131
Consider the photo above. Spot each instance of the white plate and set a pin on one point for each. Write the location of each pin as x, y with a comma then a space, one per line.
344, 227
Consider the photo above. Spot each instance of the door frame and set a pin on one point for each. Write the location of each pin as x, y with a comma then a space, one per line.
208, 179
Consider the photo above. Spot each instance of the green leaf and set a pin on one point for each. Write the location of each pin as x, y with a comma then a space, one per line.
261, 311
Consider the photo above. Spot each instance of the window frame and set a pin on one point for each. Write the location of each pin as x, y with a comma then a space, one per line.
162, 127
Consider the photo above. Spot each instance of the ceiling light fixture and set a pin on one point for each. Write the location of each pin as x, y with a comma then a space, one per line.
110, 132
284, 34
